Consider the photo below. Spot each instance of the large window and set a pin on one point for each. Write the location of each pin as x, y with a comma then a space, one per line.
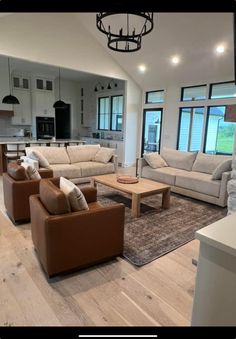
219, 133
190, 128
193, 93
223, 90
152, 120
110, 113
154, 97
116, 112
103, 113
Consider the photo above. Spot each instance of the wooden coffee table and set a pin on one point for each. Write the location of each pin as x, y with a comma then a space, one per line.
143, 188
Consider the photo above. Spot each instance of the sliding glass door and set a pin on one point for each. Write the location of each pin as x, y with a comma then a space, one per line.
152, 120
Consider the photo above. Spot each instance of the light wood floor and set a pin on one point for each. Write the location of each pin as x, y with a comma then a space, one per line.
112, 294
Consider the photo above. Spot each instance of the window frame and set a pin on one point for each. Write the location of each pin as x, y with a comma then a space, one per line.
219, 83
153, 91
190, 128
111, 114
99, 113
182, 93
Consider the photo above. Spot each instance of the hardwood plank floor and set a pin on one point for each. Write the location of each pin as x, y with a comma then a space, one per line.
115, 293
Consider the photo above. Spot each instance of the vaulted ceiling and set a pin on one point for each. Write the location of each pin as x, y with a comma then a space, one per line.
191, 36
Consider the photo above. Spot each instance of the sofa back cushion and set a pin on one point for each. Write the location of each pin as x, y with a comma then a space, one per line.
154, 160
104, 155
54, 200
16, 171
54, 155
207, 163
178, 159
75, 196
82, 153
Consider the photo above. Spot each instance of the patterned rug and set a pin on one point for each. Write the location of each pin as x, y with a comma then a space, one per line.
158, 231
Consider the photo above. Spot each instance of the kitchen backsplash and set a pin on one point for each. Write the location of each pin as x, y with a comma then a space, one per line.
6, 129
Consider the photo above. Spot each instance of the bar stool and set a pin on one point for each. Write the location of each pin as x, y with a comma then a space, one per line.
14, 151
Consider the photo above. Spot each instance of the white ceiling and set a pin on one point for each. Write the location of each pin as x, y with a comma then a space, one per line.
192, 36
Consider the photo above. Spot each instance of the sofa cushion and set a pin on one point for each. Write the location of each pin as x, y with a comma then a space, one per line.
66, 170
224, 166
199, 182
154, 160
54, 200
90, 168
82, 152
54, 155
37, 155
207, 163
74, 195
178, 159
104, 154
165, 174
31, 172
16, 171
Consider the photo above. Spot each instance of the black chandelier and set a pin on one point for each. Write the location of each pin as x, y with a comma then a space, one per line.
124, 31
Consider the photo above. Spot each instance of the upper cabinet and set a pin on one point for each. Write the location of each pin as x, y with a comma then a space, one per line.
43, 97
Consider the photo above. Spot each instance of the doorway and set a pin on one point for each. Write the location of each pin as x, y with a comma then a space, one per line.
151, 137
62, 116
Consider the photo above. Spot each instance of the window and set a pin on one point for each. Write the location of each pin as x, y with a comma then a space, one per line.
223, 90
110, 113
190, 128
20, 82
154, 97
152, 120
219, 134
103, 113
116, 112
193, 93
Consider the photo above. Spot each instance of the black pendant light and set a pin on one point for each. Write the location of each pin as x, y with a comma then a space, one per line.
59, 103
10, 99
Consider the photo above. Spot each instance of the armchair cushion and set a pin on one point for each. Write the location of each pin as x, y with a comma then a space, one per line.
74, 195
16, 171
54, 200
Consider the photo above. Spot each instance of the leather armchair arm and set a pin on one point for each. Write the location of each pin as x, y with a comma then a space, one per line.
90, 193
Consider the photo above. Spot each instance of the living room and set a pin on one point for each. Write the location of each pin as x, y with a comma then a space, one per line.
177, 76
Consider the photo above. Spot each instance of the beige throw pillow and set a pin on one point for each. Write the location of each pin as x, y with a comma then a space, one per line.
155, 160
74, 195
224, 166
36, 155
104, 155
31, 172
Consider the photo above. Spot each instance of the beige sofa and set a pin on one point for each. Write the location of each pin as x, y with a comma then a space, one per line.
77, 163
191, 174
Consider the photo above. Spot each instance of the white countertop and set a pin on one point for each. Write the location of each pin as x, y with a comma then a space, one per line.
221, 234
102, 139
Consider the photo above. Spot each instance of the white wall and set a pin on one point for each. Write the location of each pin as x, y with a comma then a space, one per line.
59, 39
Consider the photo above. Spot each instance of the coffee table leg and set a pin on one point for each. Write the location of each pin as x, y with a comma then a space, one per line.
93, 183
135, 212
166, 199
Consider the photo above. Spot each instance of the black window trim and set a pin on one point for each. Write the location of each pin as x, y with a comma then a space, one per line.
182, 92
144, 116
101, 129
153, 91
219, 83
111, 115
179, 121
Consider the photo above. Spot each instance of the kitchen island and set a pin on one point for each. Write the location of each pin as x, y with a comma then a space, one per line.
19, 141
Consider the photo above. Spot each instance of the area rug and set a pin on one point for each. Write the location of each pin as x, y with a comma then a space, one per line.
158, 231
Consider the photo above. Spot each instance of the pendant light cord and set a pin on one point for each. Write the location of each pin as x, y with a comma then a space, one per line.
9, 74
59, 84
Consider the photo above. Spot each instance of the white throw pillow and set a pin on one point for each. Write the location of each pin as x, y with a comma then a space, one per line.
155, 160
224, 166
74, 195
31, 172
36, 155
104, 155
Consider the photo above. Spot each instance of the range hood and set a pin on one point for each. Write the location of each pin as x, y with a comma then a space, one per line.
4, 113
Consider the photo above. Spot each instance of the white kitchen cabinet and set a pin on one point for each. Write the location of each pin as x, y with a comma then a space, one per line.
22, 111
43, 97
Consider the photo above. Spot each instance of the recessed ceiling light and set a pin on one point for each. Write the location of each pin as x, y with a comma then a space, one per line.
175, 60
220, 49
142, 68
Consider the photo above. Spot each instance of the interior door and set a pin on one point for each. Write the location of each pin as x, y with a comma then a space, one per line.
62, 116
151, 137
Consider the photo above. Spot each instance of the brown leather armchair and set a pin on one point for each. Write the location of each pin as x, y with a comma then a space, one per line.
16, 195
74, 240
